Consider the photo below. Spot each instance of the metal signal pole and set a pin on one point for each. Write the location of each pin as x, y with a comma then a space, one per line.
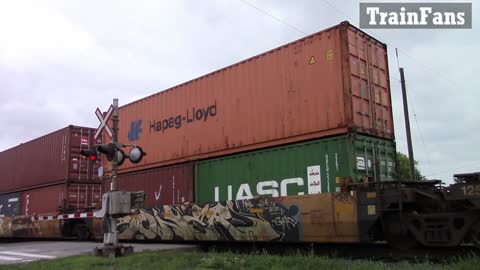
112, 206
407, 126
113, 186
113, 237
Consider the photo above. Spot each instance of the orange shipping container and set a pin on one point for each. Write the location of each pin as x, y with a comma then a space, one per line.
328, 83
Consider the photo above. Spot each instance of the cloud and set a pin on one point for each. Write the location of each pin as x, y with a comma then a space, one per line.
33, 33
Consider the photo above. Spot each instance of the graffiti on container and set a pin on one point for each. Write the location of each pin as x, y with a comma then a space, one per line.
256, 219
157, 195
135, 130
191, 115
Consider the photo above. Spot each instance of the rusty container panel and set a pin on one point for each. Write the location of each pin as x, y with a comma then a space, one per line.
53, 158
165, 185
62, 198
24, 227
328, 83
9, 204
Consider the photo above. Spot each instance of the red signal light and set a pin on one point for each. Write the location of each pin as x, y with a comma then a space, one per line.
91, 154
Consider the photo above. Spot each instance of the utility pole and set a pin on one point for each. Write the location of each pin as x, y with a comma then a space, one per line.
407, 126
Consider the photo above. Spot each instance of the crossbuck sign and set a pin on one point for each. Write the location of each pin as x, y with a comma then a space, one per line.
103, 122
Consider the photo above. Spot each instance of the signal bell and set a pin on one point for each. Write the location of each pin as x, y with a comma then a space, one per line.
136, 154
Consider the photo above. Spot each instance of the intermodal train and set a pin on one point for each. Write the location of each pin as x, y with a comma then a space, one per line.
294, 145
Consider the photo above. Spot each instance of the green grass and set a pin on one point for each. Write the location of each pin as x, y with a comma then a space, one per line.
213, 260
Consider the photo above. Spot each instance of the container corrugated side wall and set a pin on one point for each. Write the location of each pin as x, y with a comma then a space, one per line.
50, 159
165, 185
296, 169
37, 162
330, 83
68, 198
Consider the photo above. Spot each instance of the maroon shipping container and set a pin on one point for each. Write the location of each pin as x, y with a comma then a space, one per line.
329, 83
63, 198
166, 185
50, 159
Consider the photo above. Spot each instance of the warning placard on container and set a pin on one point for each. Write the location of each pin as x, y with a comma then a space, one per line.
314, 179
84, 140
360, 163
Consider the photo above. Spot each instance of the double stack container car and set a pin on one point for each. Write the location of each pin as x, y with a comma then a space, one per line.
294, 120
256, 151
272, 139
49, 176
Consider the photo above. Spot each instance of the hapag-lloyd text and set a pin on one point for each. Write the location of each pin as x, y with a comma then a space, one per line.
191, 115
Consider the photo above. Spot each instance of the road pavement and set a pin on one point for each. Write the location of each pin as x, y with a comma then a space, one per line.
23, 252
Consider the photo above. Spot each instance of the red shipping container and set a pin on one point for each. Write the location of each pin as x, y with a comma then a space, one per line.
63, 198
166, 185
329, 83
50, 159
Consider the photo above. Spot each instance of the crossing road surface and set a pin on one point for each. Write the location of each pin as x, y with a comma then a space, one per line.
22, 252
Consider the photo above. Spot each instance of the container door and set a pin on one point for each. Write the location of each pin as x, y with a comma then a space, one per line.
83, 197
374, 157
81, 169
370, 86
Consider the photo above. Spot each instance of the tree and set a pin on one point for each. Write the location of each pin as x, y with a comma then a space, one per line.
403, 164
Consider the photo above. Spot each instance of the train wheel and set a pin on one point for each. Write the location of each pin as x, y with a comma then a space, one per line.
397, 234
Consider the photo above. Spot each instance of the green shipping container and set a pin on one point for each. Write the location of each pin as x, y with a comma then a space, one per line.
297, 169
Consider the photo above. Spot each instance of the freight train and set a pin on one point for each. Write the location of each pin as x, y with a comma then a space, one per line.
295, 144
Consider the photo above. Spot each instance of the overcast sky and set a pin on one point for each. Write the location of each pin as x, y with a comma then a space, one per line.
60, 60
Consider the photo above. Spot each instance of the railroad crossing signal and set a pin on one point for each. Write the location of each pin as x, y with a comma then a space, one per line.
114, 198
112, 152
91, 154
103, 122
136, 154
